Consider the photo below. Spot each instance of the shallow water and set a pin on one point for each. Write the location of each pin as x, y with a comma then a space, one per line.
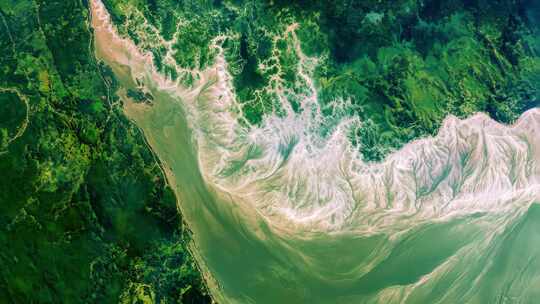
254, 264
281, 215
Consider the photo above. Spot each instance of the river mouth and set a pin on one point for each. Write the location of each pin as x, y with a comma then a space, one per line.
247, 262
436, 222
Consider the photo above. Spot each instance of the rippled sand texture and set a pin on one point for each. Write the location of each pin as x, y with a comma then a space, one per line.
283, 215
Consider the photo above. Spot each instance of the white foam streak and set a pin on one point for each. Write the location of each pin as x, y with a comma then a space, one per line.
299, 179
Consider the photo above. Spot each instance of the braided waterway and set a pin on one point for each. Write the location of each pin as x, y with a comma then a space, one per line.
282, 214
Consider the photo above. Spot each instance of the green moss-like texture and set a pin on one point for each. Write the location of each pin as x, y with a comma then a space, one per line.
422, 62
403, 65
85, 214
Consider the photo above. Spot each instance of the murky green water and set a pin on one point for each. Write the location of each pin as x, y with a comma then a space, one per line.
449, 219
254, 265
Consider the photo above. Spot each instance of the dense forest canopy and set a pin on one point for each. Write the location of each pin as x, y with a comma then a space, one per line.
403, 65
86, 214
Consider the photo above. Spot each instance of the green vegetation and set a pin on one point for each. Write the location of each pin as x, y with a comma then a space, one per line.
424, 62
404, 65
85, 214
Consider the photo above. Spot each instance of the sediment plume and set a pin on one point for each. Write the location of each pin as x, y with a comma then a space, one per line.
476, 176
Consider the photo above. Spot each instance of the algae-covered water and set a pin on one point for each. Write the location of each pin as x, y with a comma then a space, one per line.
282, 214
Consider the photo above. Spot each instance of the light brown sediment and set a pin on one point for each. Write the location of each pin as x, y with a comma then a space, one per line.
476, 178
135, 111
111, 48
335, 176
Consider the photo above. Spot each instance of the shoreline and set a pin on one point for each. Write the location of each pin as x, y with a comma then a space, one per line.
206, 276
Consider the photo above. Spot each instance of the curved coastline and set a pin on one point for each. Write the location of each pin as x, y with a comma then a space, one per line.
472, 184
